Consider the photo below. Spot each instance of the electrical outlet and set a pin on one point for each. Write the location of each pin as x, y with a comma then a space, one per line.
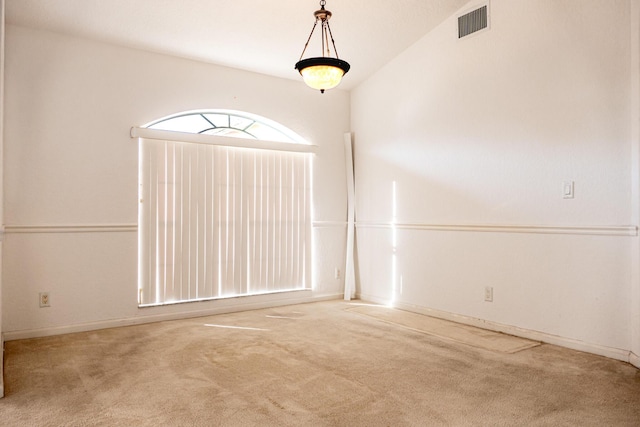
336, 273
45, 301
488, 294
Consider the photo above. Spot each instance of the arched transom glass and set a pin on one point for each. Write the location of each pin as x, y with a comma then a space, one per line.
225, 123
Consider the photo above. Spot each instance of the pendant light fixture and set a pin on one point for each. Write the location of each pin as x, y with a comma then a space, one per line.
323, 72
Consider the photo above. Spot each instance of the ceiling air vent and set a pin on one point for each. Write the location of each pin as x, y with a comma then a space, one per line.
473, 22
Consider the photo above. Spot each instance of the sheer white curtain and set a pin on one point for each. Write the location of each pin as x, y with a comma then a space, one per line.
218, 221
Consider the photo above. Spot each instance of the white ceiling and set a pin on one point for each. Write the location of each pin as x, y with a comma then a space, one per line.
255, 35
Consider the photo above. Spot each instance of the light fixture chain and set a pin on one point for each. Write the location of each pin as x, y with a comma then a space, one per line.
307, 43
324, 38
332, 41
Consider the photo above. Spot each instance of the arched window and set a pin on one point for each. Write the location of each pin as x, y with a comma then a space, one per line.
219, 216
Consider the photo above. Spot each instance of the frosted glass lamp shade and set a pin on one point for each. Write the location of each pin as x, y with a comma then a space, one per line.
322, 73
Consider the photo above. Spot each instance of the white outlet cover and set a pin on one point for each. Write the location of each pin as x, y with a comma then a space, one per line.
45, 299
488, 294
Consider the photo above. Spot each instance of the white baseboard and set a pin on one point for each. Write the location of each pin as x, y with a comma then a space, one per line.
2, 364
155, 314
610, 352
634, 359
279, 300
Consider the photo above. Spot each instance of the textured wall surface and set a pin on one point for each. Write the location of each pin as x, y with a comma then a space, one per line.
462, 148
70, 164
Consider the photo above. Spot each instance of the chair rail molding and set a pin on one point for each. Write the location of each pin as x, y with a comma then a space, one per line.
604, 230
70, 228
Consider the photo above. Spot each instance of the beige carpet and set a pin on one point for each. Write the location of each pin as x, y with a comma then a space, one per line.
317, 364
445, 329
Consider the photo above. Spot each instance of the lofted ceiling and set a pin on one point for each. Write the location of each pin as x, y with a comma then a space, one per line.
255, 35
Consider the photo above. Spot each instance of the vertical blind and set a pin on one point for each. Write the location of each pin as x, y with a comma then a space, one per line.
219, 221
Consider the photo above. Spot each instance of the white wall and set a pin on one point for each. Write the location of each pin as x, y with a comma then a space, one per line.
483, 132
478, 136
69, 161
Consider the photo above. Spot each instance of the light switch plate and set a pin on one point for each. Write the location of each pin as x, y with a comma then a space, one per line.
567, 189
